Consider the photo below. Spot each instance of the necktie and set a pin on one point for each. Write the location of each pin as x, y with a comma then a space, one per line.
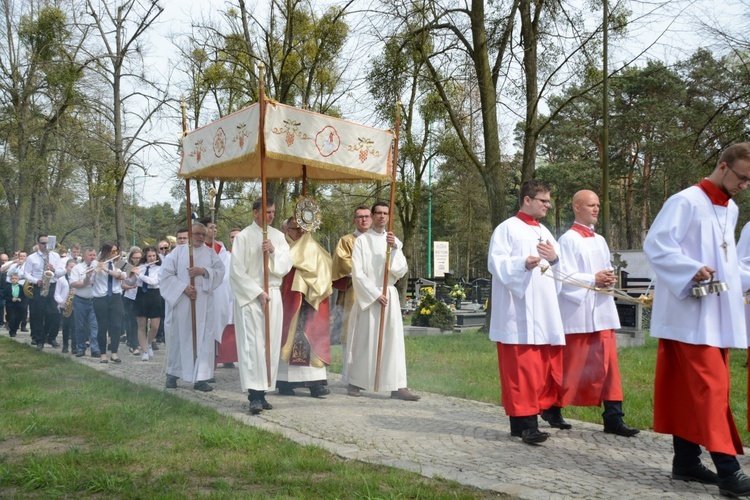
109, 281
144, 286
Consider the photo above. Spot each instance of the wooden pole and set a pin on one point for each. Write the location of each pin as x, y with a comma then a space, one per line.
190, 236
264, 201
388, 248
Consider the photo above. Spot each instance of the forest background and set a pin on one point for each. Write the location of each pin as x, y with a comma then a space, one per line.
492, 93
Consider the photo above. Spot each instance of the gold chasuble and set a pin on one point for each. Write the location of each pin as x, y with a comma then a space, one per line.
306, 333
341, 275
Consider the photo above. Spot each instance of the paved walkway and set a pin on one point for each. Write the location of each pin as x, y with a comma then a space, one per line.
457, 439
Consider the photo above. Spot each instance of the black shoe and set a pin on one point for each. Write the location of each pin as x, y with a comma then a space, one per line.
736, 485
40, 346
96, 354
256, 407
621, 429
64, 349
24, 330
212, 380
698, 473
265, 404
286, 391
171, 382
555, 419
154, 347
317, 391
228, 365
54, 344
202, 386
80, 354
534, 436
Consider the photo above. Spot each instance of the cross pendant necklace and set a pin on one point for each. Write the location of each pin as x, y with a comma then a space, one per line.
539, 233
723, 231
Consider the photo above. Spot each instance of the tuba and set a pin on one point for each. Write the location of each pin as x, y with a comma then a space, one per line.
28, 289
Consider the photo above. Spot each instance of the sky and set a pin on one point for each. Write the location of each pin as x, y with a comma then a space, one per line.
664, 30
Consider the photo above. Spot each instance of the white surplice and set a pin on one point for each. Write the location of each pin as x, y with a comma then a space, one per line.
584, 310
368, 267
178, 328
685, 236
246, 280
223, 299
524, 303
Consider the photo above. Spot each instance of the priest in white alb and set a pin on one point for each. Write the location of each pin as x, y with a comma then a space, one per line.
368, 271
591, 373
174, 280
525, 320
690, 242
250, 299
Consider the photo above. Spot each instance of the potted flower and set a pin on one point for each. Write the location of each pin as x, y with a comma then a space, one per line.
458, 294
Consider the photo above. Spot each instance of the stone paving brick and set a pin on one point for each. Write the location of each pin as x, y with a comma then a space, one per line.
465, 441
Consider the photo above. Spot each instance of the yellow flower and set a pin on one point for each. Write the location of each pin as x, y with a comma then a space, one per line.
426, 311
427, 290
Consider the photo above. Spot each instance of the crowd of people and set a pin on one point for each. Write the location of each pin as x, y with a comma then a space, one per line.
265, 305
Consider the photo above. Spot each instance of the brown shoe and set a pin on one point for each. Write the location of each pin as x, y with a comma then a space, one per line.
353, 391
404, 394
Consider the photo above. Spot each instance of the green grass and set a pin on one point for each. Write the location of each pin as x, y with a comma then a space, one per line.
465, 365
67, 430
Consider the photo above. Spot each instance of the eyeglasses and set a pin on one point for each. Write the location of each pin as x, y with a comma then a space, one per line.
163, 248
362, 217
544, 202
742, 178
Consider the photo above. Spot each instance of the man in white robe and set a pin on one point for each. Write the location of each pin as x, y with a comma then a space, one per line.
591, 373
692, 241
525, 320
341, 275
175, 288
250, 300
368, 268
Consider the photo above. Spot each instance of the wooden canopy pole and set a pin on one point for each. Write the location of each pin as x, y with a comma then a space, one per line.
190, 237
264, 201
388, 247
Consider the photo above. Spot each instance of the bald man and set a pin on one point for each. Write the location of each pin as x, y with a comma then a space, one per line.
591, 375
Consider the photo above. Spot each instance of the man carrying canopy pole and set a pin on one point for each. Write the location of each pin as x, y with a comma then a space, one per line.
370, 258
250, 302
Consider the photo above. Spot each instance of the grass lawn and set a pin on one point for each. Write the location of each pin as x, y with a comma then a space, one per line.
465, 365
69, 431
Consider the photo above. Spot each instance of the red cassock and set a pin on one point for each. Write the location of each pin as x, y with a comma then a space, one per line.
691, 396
530, 377
591, 373
227, 352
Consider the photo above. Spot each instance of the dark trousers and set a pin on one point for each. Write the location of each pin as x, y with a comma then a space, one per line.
15, 311
108, 310
69, 331
686, 455
130, 322
44, 316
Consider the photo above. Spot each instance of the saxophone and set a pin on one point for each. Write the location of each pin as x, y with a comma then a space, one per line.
68, 309
47, 277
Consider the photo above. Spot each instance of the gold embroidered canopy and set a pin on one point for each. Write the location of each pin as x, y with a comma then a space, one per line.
298, 144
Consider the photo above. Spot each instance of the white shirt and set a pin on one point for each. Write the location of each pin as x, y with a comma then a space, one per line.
33, 269
101, 281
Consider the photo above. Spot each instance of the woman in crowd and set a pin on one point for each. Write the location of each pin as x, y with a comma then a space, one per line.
130, 287
148, 300
107, 300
